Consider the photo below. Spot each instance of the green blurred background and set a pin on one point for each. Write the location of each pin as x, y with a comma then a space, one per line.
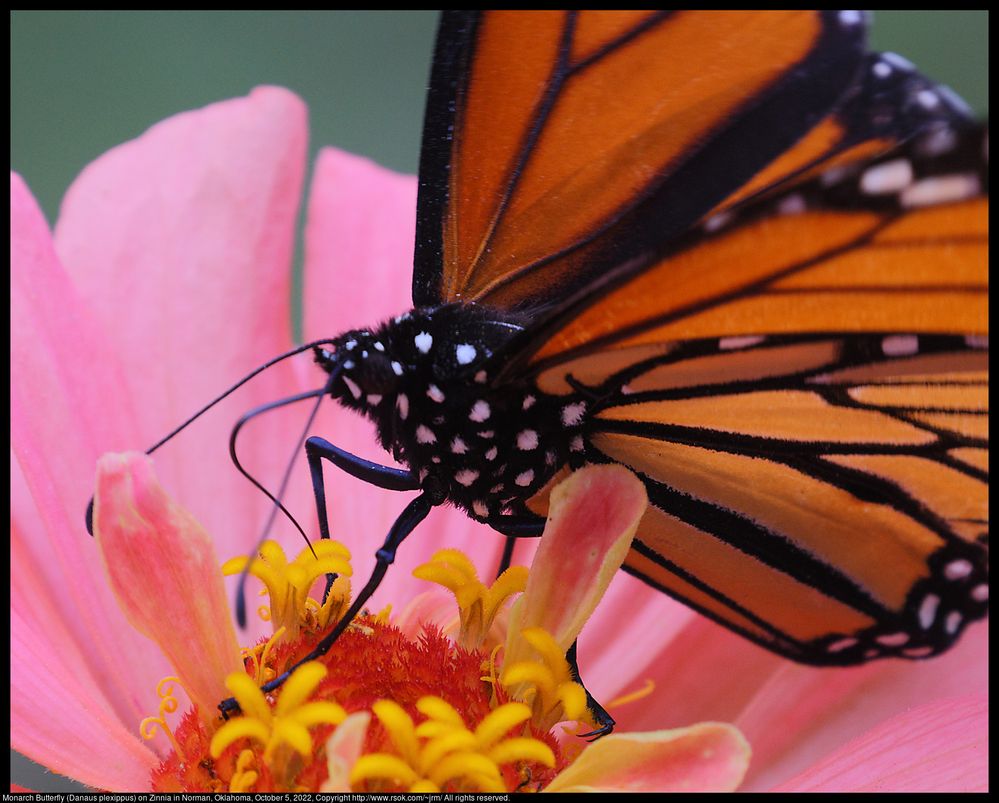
82, 82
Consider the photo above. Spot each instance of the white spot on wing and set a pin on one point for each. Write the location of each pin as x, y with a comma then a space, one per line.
893, 639
730, 343
900, 345
952, 622
928, 611
941, 190
435, 393
980, 593
841, 644
957, 569
887, 178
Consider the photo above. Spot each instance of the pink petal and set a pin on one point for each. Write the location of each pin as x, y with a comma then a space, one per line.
709, 757
59, 716
938, 747
181, 242
61, 407
343, 749
818, 710
166, 575
591, 521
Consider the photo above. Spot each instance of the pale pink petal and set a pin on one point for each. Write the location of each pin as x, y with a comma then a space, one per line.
181, 242
165, 572
942, 746
436, 607
358, 273
709, 757
59, 716
592, 519
821, 709
62, 406
343, 749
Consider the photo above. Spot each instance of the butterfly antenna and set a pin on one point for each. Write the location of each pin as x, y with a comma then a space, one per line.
89, 518
240, 606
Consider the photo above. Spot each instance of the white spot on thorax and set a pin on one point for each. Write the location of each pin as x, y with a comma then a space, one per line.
374, 398
466, 477
458, 446
480, 509
491, 453
480, 377
425, 435
525, 479
402, 405
952, 622
850, 18
396, 368
464, 353
576, 444
527, 440
350, 345
355, 391
480, 411
378, 346
423, 342
528, 402
572, 414
435, 393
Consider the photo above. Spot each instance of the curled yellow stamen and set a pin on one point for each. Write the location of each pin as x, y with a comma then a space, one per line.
168, 704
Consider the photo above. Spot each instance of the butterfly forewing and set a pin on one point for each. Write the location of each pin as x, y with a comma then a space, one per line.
757, 257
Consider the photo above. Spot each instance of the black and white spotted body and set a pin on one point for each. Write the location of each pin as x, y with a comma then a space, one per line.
423, 378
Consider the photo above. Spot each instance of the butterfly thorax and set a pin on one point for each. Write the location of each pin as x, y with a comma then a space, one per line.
425, 379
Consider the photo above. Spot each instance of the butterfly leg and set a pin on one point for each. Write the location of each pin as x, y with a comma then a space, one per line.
514, 527
605, 722
415, 512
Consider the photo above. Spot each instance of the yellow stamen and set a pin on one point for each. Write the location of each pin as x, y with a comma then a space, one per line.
478, 604
288, 584
287, 725
546, 684
442, 750
246, 773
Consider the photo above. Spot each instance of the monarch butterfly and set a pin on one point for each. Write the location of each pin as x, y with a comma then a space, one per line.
762, 286
735, 252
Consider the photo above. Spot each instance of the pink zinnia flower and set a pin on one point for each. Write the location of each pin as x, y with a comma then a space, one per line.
168, 276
